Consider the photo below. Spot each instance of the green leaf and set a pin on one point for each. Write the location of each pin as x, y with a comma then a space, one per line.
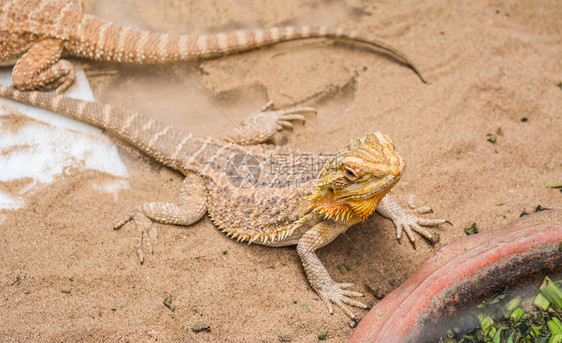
343, 268
473, 229
513, 304
17, 279
168, 303
516, 315
554, 326
541, 302
557, 338
492, 138
540, 208
552, 293
497, 336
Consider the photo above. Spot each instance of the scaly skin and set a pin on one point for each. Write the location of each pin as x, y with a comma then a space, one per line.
283, 204
35, 35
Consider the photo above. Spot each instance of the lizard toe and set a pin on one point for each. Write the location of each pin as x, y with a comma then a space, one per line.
336, 293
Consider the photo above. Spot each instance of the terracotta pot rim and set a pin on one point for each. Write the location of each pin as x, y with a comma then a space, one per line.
462, 272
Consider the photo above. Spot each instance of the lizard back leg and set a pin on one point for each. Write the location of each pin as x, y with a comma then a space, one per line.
191, 207
13, 46
262, 125
41, 67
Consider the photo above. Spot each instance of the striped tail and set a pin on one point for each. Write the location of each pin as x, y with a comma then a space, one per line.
214, 45
103, 40
156, 139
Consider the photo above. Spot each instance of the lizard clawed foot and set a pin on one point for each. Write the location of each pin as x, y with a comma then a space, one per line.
338, 294
408, 222
191, 208
145, 231
411, 223
262, 125
281, 117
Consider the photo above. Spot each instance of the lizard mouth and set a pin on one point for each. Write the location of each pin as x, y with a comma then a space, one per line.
379, 188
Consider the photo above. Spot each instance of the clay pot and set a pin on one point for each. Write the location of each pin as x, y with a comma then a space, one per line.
464, 273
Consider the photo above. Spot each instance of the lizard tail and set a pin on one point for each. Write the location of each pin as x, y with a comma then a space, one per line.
214, 45
147, 134
106, 41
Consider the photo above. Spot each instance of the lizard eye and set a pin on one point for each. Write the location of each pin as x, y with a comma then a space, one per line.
350, 174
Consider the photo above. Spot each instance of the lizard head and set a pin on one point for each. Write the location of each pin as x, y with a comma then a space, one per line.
351, 185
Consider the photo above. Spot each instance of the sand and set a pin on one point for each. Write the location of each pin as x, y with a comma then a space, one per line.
494, 68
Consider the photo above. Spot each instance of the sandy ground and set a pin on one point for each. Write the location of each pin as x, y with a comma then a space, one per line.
490, 65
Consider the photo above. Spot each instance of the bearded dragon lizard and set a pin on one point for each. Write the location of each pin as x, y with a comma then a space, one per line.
35, 35
277, 208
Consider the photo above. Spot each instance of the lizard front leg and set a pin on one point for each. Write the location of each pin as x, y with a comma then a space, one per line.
262, 125
41, 67
192, 206
407, 222
318, 277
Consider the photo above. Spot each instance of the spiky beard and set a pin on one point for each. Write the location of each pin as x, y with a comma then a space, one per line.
323, 203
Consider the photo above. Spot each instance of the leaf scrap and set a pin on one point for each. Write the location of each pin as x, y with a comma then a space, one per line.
168, 303
473, 229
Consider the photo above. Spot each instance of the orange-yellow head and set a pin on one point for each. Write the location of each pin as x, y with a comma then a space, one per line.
351, 185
